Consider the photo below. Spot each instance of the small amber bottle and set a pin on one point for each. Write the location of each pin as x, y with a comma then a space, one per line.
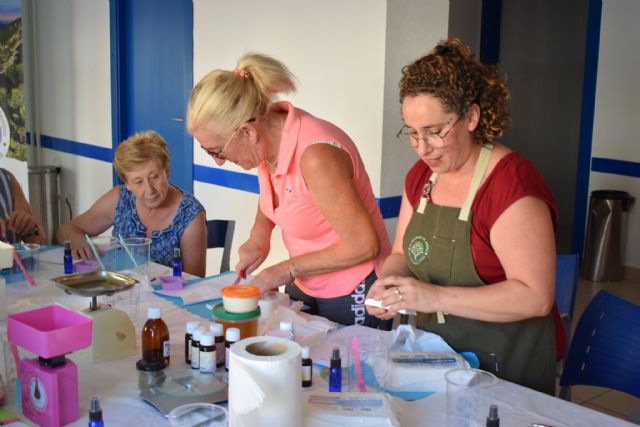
307, 368
155, 337
218, 333
207, 352
191, 326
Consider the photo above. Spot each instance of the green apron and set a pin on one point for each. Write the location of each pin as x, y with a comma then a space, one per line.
438, 250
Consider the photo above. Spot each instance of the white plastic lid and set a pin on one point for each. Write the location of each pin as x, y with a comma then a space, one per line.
286, 325
217, 329
305, 352
192, 325
206, 338
233, 334
153, 313
197, 333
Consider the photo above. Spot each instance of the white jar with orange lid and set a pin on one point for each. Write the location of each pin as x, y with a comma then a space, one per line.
240, 298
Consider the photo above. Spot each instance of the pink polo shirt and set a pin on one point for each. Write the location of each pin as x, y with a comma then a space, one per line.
304, 228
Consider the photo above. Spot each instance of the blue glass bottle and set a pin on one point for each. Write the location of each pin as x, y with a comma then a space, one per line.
177, 262
335, 371
95, 413
68, 258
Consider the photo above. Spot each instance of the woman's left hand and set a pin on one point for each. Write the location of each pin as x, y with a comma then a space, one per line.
23, 223
272, 277
397, 293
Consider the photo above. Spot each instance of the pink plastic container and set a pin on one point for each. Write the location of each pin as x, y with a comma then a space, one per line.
86, 266
171, 283
50, 331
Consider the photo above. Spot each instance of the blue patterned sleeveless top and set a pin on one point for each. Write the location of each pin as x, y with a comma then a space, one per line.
6, 202
127, 224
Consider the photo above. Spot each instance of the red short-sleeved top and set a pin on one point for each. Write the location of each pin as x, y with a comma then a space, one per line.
512, 178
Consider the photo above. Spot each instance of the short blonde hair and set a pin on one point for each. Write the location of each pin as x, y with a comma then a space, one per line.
139, 149
232, 97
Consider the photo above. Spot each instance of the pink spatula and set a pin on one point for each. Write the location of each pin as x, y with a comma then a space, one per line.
355, 349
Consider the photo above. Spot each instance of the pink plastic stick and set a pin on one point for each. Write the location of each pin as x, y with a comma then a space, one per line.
27, 276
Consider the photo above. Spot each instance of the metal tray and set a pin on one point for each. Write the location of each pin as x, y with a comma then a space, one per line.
95, 283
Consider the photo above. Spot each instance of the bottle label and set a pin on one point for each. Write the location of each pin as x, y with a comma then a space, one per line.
220, 353
227, 352
195, 357
166, 345
306, 373
208, 361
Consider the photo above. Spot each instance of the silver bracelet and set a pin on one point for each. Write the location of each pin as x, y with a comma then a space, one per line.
293, 271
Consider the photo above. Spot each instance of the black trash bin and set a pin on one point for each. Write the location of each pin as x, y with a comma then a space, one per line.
603, 256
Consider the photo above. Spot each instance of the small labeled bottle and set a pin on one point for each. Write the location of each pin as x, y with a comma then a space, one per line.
307, 368
231, 336
285, 331
68, 258
177, 262
155, 337
207, 352
335, 371
218, 333
287, 327
195, 347
191, 326
95, 413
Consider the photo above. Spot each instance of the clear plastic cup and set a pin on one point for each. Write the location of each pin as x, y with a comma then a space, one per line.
470, 392
28, 255
136, 255
374, 363
192, 414
108, 251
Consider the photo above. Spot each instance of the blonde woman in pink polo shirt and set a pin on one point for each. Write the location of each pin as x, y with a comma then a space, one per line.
313, 185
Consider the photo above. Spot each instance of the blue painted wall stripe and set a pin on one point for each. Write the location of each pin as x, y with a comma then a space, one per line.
77, 148
225, 178
389, 206
587, 113
617, 167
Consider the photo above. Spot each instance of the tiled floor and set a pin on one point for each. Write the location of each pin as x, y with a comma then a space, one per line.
612, 402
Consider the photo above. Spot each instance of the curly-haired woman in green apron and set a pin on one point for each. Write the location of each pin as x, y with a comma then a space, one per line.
474, 253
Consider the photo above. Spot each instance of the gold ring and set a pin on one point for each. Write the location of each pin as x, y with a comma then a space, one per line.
397, 291
400, 294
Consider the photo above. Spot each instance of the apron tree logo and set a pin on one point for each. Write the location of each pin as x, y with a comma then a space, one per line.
418, 250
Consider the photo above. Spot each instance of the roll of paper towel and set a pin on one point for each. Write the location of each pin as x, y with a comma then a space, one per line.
264, 383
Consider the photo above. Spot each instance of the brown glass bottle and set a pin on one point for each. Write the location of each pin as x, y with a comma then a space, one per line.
155, 337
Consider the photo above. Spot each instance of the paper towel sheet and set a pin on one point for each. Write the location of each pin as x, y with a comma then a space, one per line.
264, 383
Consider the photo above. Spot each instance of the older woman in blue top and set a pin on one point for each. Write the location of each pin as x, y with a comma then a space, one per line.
145, 206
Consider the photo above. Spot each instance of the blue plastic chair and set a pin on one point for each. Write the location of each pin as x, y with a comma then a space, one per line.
566, 285
605, 350
220, 235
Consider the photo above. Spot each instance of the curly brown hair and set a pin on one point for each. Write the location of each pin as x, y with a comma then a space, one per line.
451, 73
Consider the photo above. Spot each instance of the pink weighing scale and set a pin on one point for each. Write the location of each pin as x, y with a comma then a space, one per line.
50, 382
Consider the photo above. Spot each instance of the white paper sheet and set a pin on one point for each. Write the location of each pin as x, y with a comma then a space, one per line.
205, 289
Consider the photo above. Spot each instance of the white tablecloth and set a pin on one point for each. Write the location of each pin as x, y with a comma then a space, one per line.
116, 382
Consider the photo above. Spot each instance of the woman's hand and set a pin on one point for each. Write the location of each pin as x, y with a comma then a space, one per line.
79, 247
397, 293
23, 223
272, 277
252, 254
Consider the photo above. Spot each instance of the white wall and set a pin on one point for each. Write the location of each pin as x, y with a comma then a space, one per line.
615, 134
73, 95
347, 57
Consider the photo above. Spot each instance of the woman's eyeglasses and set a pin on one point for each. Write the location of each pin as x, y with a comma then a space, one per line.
219, 155
434, 139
